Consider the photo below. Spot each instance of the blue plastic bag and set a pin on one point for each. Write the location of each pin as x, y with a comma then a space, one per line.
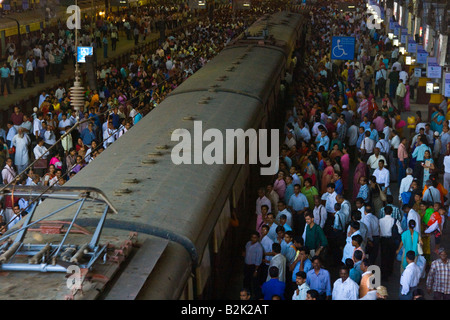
400, 254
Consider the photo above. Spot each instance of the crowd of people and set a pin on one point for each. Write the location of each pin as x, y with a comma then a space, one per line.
49, 51
355, 190
61, 141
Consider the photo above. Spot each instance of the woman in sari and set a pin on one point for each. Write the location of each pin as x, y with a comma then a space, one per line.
327, 175
360, 171
406, 102
410, 241
345, 166
309, 191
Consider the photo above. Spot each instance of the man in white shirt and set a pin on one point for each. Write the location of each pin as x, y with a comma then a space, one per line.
302, 286
59, 93
373, 161
40, 150
320, 213
37, 124
403, 75
406, 183
382, 175
387, 242
345, 288
278, 261
373, 233
330, 198
410, 277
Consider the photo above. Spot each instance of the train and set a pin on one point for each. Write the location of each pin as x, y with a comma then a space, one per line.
182, 213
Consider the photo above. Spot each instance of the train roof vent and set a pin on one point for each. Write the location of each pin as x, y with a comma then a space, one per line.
222, 78
188, 118
230, 69
131, 181
163, 147
155, 154
119, 192
149, 161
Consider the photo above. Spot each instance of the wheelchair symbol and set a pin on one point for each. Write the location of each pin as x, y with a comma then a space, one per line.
339, 49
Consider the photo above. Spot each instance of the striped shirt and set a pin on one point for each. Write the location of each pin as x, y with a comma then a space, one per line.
396, 214
439, 276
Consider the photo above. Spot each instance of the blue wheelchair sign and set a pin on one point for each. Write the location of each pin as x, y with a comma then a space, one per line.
82, 52
343, 48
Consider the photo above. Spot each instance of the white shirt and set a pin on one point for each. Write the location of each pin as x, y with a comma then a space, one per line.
382, 176
278, 261
39, 151
371, 295
37, 126
413, 215
386, 223
447, 164
404, 185
347, 290
368, 144
320, 215
410, 278
395, 142
372, 162
330, 201
302, 290
373, 228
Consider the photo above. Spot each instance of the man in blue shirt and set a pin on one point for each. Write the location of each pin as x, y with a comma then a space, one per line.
4, 73
273, 286
297, 204
88, 134
319, 279
418, 153
302, 263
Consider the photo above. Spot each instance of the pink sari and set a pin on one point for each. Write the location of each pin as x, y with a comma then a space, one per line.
327, 175
406, 103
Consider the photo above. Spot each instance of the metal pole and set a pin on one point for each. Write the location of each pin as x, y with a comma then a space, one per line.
70, 227
7, 235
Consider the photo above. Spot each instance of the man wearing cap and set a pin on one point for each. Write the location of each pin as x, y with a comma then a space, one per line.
438, 280
347, 114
